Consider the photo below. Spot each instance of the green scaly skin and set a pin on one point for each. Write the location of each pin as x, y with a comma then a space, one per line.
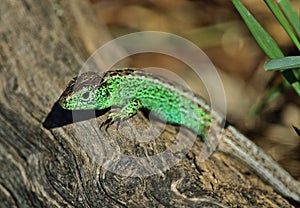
132, 90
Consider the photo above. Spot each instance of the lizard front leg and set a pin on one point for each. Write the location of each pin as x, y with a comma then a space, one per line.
127, 111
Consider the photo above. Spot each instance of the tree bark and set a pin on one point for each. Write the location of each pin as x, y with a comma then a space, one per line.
46, 160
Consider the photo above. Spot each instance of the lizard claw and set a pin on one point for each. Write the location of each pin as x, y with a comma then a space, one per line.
117, 117
106, 124
112, 118
126, 112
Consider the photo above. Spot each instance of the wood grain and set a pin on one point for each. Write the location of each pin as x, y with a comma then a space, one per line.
48, 161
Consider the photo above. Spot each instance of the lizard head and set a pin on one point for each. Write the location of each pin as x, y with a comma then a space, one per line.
84, 93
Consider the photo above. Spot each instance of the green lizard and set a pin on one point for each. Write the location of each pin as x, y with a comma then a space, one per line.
132, 90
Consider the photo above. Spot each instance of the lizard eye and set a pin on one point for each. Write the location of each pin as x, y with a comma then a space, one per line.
85, 95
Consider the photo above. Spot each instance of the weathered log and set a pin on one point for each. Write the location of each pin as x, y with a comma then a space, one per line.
46, 160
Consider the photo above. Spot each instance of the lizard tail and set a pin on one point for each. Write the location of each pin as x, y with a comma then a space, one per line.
236, 144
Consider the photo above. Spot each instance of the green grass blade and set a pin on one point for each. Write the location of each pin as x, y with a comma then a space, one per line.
264, 40
290, 67
283, 22
291, 15
289, 62
292, 79
296, 86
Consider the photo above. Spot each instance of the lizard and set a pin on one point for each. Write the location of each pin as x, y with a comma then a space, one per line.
133, 89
